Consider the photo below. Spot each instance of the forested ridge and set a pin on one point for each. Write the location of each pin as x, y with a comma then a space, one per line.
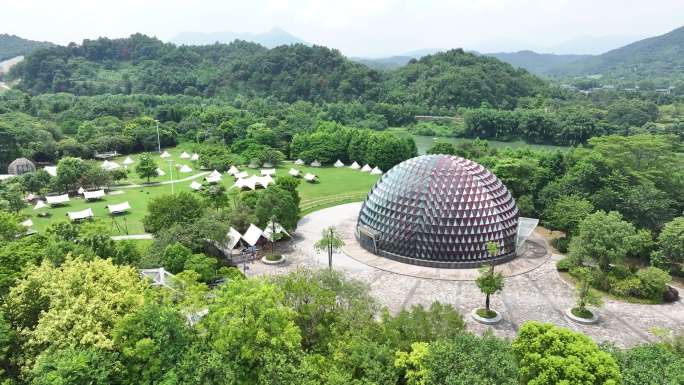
12, 46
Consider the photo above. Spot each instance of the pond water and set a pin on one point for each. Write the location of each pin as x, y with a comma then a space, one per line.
425, 142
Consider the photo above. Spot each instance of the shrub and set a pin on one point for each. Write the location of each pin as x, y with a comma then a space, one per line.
481, 312
654, 281
562, 244
565, 264
581, 313
630, 287
230, 273
599, 280
273, 257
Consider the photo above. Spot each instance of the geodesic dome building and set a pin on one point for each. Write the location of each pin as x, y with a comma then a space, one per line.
21, 166
439, 211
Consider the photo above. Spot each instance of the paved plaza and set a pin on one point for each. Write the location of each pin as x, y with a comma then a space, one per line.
533, 289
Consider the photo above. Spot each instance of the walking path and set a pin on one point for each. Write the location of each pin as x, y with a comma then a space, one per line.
538, 293
137, 236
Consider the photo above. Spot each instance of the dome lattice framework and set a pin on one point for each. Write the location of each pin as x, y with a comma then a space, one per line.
21, 166
439, 211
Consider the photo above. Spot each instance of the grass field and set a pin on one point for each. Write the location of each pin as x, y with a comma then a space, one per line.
331, 181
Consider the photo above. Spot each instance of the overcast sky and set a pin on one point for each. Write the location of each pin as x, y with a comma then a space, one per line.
355, 27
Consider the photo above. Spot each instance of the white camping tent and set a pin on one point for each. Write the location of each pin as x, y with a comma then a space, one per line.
185, 169
109, 166
338, 164
252, 235
293, 172
57, 199
97, 194
233, 170
128, 161
81, 190
233, 237
355, 166
268, 231
268, 172
243, 174
52, 170
215, 174
30, 197
243, 182
315, 163
78, 215
105, 165
366, 168
195, 186
376, 171
120, 208
265, 180
194, 157
27, 223
213, 179
165, 155
40, 205
184, 155
160, 172
310, 177
299, 162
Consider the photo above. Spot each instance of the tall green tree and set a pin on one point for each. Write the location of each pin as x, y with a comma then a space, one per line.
146, 167
167, 210
331, 242
566, 213
549, 355
277, 202
488, 282
604, 239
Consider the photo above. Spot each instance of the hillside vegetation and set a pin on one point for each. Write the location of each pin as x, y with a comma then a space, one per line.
13, 46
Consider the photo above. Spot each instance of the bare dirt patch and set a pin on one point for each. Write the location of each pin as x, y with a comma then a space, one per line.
549, 236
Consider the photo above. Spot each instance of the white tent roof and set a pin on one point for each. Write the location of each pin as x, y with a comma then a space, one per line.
243, 174
366, 168
52, 170
355, 166
30, 197
195, 186
245, 182
293, 172
268, 172
194, 157
27, 223
376, 171
309, 177
121, 207
81, 190
128, 161
57, 199
184, 155
233, 170
40, 205
233, 237
185, 169
265, 180
299, 162
338, 164
215, 174
269, 230
106, 165
160, 172
80, 214
165, 155
93, 194
315, 163
252, 235
213, 179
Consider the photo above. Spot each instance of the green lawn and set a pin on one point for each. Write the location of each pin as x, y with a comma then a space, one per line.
330, 181
161, 163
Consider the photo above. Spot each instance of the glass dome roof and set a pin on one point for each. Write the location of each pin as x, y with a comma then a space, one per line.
439, 211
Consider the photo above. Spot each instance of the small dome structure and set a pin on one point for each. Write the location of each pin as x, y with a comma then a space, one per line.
439, 211
21, 166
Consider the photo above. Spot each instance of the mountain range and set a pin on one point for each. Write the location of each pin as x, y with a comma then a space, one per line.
270, 39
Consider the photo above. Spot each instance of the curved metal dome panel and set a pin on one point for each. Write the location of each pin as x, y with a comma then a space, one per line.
440, 211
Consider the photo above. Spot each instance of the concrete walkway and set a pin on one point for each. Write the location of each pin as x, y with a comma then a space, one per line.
539, 294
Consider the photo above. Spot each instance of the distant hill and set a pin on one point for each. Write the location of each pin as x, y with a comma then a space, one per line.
271, 39
655, 57
534, 62
385, 63
12, 46
592, 45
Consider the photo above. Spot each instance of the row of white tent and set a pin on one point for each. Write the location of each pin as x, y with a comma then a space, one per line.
87, 213
251, 237
309, 177
184, 155
366, 168
184, 169
315, 163
252, 182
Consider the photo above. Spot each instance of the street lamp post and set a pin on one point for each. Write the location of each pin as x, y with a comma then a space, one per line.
158, 141
169, 161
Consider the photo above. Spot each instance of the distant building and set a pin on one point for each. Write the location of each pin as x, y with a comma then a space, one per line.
568, 87
608, 87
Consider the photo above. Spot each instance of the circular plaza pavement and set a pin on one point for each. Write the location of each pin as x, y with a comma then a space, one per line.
533, 289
